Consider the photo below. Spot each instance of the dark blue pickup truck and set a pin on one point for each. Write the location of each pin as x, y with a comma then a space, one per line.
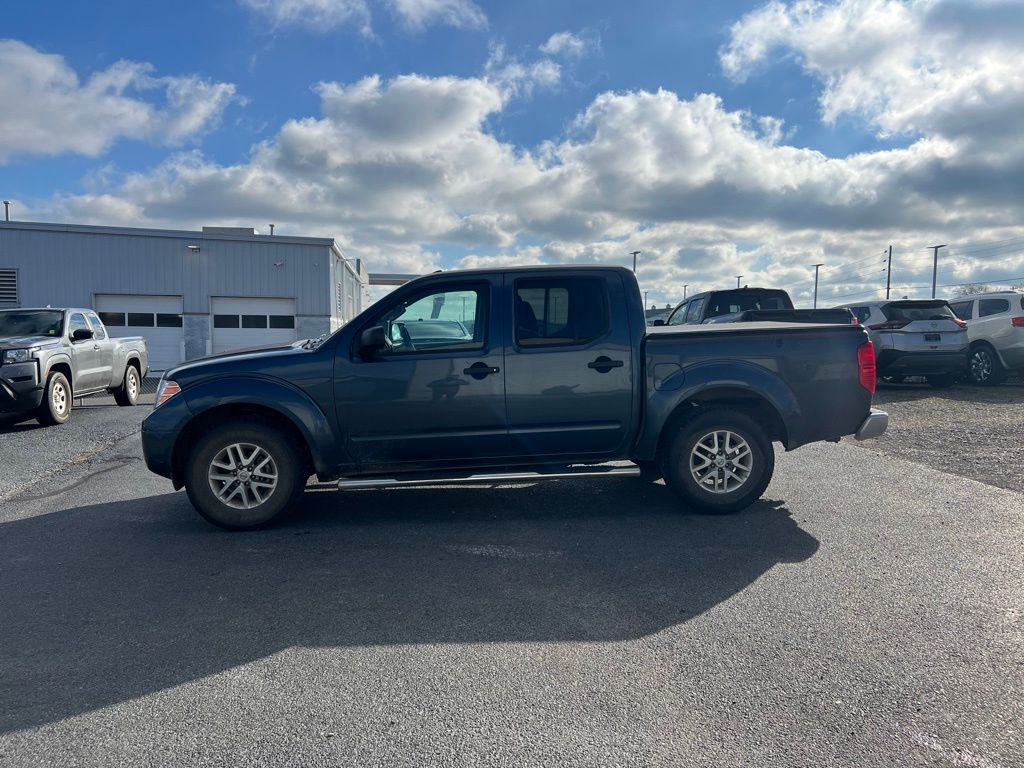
494, 374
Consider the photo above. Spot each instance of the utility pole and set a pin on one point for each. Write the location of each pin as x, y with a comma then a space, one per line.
816, 268
7, 210
888, 274
634, 254
685, 286
738, 280
935, 265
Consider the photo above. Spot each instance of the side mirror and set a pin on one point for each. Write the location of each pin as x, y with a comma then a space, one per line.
659, 322
373, 338
81, 334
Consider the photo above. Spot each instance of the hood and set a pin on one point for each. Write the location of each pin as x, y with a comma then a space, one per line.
248, 360
20, 342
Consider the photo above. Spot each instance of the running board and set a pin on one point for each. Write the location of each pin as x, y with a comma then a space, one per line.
496, 477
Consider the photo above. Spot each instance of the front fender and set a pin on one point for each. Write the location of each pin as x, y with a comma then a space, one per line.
741, 378
278, 395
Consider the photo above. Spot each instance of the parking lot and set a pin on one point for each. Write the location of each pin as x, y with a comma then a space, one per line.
867, 612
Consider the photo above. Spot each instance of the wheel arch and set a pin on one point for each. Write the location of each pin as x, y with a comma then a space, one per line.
263, 401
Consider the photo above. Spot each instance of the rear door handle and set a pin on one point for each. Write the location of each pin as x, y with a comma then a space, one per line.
481, 371
604, 364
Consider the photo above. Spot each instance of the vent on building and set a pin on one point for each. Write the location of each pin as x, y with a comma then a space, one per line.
8, 287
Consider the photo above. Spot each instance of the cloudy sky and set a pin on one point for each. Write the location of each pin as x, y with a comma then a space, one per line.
719, 139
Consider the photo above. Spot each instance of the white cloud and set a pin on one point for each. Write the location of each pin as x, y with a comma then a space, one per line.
314, 14
57, 113
569, 45
399, 169
326, 15
454, 13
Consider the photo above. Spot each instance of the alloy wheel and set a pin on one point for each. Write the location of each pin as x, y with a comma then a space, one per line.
981, 365
243, 475
721, 461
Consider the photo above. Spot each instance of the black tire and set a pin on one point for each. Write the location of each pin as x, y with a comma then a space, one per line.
286, 460
679, 473
984, 368
128, 393
57, 398
941, 381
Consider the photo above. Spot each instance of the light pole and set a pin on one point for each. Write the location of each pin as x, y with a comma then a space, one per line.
7, 210
645, 300
634, 254
935, 265
816, 268
685, 286
271, 229
738, 280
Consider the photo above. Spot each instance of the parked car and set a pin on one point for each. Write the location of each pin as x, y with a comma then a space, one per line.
560, 377
50, 356
995, 329
739, 305
915, 338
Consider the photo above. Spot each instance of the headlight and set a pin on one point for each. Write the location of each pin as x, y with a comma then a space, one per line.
18, 355
165, 391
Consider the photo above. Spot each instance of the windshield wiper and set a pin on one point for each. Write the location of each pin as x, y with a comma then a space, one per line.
314, 343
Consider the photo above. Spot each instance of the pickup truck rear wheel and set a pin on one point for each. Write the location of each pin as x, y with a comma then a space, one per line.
56, 405
128, 393
239, 477
720, 462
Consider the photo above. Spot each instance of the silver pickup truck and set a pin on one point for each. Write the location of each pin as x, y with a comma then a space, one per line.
49, 356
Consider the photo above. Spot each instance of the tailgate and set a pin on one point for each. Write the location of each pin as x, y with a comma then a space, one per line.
922, 326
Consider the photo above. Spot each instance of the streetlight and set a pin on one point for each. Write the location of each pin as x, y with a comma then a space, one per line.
935, 265
685, 286
738, 280
7, 210
634, 254
816, 267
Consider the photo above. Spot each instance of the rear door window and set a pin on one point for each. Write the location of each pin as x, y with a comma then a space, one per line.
560, 311
731, 302
962, 309
988, 307
678, 316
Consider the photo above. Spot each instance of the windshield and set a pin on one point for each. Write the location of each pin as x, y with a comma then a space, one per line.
36, 322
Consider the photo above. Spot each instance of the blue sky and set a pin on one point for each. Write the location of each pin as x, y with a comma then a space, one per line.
812, 143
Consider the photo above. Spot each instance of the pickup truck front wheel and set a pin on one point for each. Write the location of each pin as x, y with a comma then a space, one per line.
239, 477
56, 405
720, 462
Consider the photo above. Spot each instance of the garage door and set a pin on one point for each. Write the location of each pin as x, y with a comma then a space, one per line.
156, 318
240, 323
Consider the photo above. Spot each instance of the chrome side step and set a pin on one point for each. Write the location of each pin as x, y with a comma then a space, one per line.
496, 477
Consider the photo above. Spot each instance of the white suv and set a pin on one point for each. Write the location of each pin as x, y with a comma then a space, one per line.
995, 328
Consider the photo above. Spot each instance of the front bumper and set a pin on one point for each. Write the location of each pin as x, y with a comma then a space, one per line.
160, 433
873, 426
20, 390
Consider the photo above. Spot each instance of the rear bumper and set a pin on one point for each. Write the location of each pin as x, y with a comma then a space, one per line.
874, 425
892, 362
20, 390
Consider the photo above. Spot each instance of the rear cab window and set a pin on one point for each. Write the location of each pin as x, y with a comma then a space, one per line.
745, 299
559, 311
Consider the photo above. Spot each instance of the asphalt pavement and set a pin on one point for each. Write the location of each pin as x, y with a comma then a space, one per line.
866, 613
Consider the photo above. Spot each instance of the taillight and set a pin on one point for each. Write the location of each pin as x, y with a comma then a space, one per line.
166, 391
1018, 322
891, 325
866, 366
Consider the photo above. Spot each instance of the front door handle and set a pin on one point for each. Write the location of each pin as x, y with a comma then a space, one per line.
604, 364
95, 346
480, 371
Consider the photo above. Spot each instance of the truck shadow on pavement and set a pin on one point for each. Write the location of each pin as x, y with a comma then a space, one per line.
101, 604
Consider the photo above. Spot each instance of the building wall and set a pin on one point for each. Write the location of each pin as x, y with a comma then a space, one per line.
69, 267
